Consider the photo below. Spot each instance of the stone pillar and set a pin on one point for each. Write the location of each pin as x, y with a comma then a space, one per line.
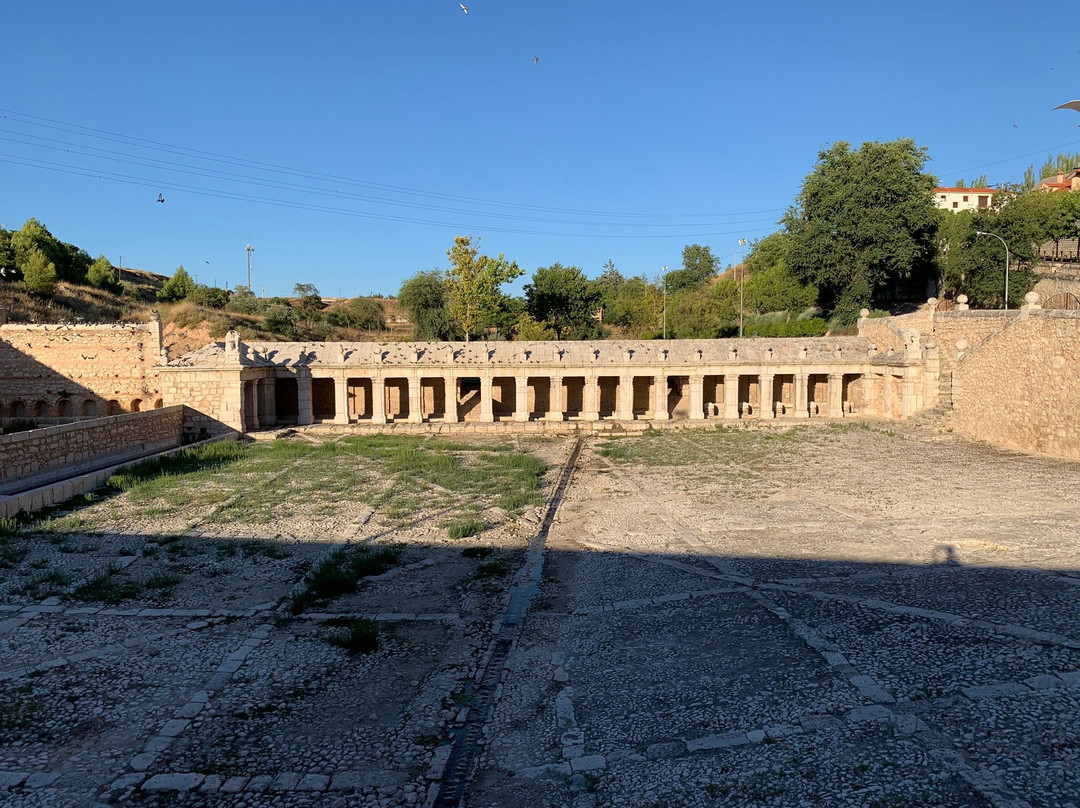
555, 399
887, 395
660, 394
416, 400
341, 400
870, 404
626, 399
731, 396
836, 395
766, 402
521, 398
907, 395
592, 399
487, 414
697, 398
269, 402
450, 396
378, 401
303, 397
802, 404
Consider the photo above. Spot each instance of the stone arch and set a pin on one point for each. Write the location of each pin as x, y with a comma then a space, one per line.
136, 405
113, 407
158, 404
89, 407
41, 409
64, 408
18, 409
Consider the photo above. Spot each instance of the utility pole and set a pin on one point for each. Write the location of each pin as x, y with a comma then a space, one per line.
250, 250
119, 270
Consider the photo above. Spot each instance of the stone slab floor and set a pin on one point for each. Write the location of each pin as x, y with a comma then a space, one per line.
823, 615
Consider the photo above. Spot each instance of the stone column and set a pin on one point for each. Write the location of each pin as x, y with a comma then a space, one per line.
766, 403
303, 397
592, 399
269, 402
626, 399
450, 396
416, 400
836, 395
907, 395
555, 399
660, 394
887, 394
487, 414
378, 401
341, 400
731, 396
870, 404
521, 398
802, 404
697, 398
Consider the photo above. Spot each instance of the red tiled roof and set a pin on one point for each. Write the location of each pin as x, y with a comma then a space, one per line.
966, 191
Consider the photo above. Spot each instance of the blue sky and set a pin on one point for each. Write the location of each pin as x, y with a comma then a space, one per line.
350, 142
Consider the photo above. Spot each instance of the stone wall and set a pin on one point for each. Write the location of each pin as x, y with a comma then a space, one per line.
65, 372
41, 456
1020, 387
214, 397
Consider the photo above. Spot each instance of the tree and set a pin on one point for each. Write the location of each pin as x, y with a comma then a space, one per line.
102, 274
423, 296
473, 283
563, 298
39, 273
360, 312
179, 287
863, 227
7, 256
699, 265
531, 330
212, 297
33, 235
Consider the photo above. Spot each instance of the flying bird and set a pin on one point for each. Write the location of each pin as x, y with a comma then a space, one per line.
464, 8
1070, 105
160, 198
535, 58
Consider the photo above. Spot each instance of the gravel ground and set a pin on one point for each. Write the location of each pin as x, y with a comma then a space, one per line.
818, 615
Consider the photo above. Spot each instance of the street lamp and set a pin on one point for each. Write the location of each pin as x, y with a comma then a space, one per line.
250, 250
742, 277
1006, 246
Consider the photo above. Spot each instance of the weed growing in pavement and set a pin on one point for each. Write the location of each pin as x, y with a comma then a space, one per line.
463, 528
8, 525
340, 573
356, 635
477, 552
45, 584
108, 586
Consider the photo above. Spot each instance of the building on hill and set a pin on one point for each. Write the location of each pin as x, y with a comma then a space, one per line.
1061, 183
958, 199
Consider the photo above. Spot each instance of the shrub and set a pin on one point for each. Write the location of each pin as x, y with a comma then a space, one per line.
464, 528
356, 636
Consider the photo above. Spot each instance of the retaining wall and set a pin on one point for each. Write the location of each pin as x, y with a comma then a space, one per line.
41, 456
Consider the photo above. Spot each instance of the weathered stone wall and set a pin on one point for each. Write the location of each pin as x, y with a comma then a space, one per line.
214, 396
1048, 288
61, 372
1020, 387
41, 456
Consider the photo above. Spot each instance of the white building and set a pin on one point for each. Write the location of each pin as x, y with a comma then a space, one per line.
963, 198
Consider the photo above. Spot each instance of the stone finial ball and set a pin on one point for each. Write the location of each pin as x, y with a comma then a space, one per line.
961, 344
1031, 298
931, 301
864, 313
961, 298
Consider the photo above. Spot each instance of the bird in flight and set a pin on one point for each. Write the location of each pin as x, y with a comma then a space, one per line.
535, 58
160, 198
464, 8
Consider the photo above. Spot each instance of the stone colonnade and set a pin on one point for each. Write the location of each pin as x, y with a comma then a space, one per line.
486, 395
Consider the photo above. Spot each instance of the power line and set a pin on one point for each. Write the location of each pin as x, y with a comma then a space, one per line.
84, 131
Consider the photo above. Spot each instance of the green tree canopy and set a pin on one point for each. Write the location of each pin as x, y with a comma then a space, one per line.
39, 273
102, 274
359, 312
424, 299
863, 227
699, 265
563, 298
179, 287
474, 283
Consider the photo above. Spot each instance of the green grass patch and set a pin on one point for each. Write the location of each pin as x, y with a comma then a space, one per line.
357, 636
108, 586
463, 528
340, 573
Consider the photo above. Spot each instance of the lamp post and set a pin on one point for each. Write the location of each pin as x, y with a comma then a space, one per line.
250, 250
1006, 246
665, 302
742, 276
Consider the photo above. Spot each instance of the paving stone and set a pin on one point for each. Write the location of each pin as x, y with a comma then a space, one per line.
259, 783
286, 781
12, 779
717, 741
313, 782
184, 781
212, 783
589, 763
41, 779
234, 784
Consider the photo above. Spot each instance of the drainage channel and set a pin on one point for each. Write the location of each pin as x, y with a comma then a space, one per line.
466, 739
